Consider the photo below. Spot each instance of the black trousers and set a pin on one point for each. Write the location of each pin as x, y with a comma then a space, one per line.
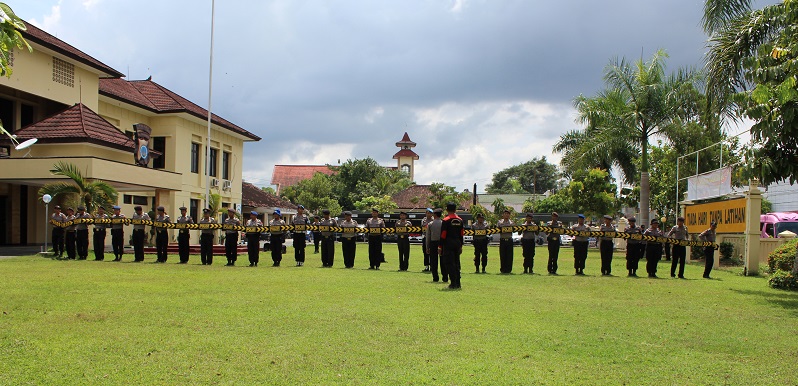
253, 247
506, 255
633, 252
299, 247
276, 246
349, 247
424, 249
161, 242
231, 247
679, 258
528, 250
653, 255
327, 251
554, 254
82, 240
316, 241
667, 249
433, 261
138, 244
98, 244
580, 255
403, 245
70, 244
206, 248
118, 242
375, 251
480, 252
58, 241
709, 260
605, 248
452, 257
183, 246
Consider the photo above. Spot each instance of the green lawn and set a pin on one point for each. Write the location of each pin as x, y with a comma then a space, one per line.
86, 322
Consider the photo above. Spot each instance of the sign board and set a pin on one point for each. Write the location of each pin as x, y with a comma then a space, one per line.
729, 214
708, 185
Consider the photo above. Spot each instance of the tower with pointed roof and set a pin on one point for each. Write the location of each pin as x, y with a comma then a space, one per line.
406, 156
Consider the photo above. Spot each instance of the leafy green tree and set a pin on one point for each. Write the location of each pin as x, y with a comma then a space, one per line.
10, 37
490, 218
637, 104
92, 194
557, 202
316, 194
382, 203
359, 178
593, 193
268, 189
767, 206
752, 56
443, 194
534, 176
529, 206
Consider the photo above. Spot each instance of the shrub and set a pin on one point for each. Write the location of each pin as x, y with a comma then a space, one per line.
783, 257
726, 250
783, 280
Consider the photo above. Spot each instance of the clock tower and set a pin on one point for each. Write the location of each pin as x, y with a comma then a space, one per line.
405, 156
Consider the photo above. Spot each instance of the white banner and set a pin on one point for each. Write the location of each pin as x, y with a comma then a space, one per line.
708, 185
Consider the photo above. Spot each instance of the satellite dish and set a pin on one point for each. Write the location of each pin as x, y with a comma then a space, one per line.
26, 144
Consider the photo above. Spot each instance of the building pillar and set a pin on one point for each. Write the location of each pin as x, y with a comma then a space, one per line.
623, 223
752, 233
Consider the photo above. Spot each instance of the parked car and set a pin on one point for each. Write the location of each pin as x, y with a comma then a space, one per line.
468, 238
416, 238
566, 239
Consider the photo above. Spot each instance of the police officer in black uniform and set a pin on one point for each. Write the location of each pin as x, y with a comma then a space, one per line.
183, 236
58, 233
161, 235
118, 234
452, 231
98, 239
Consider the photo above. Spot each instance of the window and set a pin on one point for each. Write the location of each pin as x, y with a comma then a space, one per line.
405, 169
140, 200
195, 148
127, 199
7, 114
159, 145
211, 167
226, 165
63, 72
193, 209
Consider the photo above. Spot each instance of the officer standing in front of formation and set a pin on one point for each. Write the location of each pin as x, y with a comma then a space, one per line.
375, 239
433, 235
580, 244
505, 243
679, 232
452, 231
348, 239
480, 243
528, 245
300, 220
633, 246
276, 239
58, 232
98, 239
606, 246
653, 248
253, 239
161, 235
139, 234
403, 241
231, 238
82, 233
206, 238
709, 252
426, 220
316, 234
118, 234
554, 243
69, 238
327, 239
183, 236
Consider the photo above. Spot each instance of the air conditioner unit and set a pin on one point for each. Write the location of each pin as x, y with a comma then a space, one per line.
227, 185
214, 182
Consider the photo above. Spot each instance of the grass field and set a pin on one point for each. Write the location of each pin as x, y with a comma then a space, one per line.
86, 322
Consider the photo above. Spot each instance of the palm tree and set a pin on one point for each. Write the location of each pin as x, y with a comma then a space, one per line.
92, 194
640, 102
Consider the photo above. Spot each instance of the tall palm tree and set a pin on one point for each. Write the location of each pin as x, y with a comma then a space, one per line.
92, 194
640, 102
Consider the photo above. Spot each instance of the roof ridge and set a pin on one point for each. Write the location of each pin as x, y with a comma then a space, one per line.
82, 121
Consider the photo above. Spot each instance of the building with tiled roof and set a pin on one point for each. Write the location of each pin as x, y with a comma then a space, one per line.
416, 198
290, 175
82, 112
265, 203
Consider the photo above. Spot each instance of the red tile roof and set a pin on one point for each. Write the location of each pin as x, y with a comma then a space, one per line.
405, 153
156, 98
38, 36
76, 124
254, 197
421, 195
289, 175
406, 141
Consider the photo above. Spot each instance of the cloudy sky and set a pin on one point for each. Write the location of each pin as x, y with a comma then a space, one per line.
480, 85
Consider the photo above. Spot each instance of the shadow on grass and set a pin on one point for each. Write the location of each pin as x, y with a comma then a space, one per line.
785, 300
